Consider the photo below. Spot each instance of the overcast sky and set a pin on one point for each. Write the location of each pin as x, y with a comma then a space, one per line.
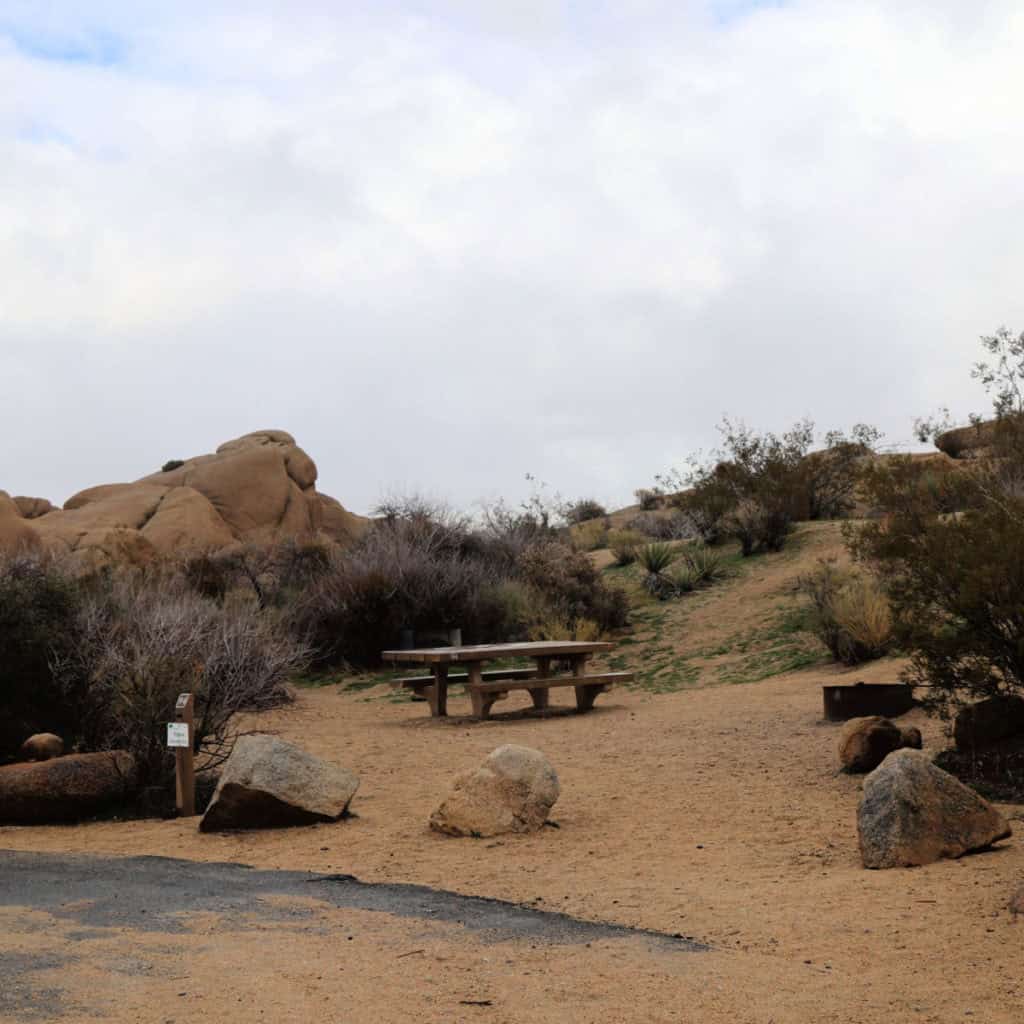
447, 243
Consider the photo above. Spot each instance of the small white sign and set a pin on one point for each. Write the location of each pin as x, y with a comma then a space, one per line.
177, 734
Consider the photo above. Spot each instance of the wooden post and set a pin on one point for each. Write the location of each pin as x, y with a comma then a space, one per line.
438, 693
184, 768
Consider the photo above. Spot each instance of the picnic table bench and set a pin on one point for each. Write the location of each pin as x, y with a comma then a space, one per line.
487, 686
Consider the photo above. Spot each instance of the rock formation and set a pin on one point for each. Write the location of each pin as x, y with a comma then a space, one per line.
258, 488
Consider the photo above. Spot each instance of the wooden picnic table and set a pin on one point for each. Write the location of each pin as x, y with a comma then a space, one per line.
486, 687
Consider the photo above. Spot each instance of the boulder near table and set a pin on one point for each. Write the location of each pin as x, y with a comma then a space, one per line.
487, 686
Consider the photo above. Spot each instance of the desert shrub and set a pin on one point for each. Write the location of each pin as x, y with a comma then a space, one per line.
401, 575
954, 578
555, 627
757, 486
663, 525
38, 607
571, 585
583, 511
172, 464
141, 639
832, 473
591, 535
851, 614
623, 545
648, 498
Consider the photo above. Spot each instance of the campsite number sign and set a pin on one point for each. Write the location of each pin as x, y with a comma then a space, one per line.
177, 734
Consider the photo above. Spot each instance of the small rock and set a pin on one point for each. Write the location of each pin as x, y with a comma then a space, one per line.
512, 791
268, 783
42, 747
913, 813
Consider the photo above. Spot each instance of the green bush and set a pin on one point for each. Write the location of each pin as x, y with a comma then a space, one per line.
172, 464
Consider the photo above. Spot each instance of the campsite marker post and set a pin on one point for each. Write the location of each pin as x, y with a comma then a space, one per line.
179, 737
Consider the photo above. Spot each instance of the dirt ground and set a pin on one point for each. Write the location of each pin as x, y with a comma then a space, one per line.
717, 813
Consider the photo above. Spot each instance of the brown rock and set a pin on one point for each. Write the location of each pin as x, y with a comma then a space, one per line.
259, 488
988, 722
16, 534
911, 737
512, 791
913, 813
66, 788
185, 519
32, 508
267, 783
865, 742
42, 747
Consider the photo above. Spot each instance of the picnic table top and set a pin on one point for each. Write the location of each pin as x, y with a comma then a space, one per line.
485, 652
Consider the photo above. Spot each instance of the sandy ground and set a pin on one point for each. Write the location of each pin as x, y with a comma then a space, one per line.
717, 813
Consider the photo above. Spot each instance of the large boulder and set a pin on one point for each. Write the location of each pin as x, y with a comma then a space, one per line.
512, 791
268, 783
260, 488
988, 722
913, 813
66, 788
864, 743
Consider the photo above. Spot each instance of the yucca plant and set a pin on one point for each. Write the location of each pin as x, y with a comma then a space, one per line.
655, 558
705, 565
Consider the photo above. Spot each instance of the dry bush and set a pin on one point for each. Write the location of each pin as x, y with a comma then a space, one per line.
667, 525
649, 498
583, 511
624, 545
862, 612
851, 613
140, 640
590, 536
555, 627
570, 584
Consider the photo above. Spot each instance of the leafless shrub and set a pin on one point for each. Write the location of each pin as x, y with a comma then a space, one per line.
141, 640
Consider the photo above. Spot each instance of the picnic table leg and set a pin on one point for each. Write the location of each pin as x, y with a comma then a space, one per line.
438, 693
585, 695
540, 696
481, 701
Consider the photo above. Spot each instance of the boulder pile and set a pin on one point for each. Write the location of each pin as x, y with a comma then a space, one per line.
257, 488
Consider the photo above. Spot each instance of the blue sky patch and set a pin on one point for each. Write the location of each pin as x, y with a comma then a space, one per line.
100, 48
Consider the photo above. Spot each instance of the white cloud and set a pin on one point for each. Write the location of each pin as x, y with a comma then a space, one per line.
446, 244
